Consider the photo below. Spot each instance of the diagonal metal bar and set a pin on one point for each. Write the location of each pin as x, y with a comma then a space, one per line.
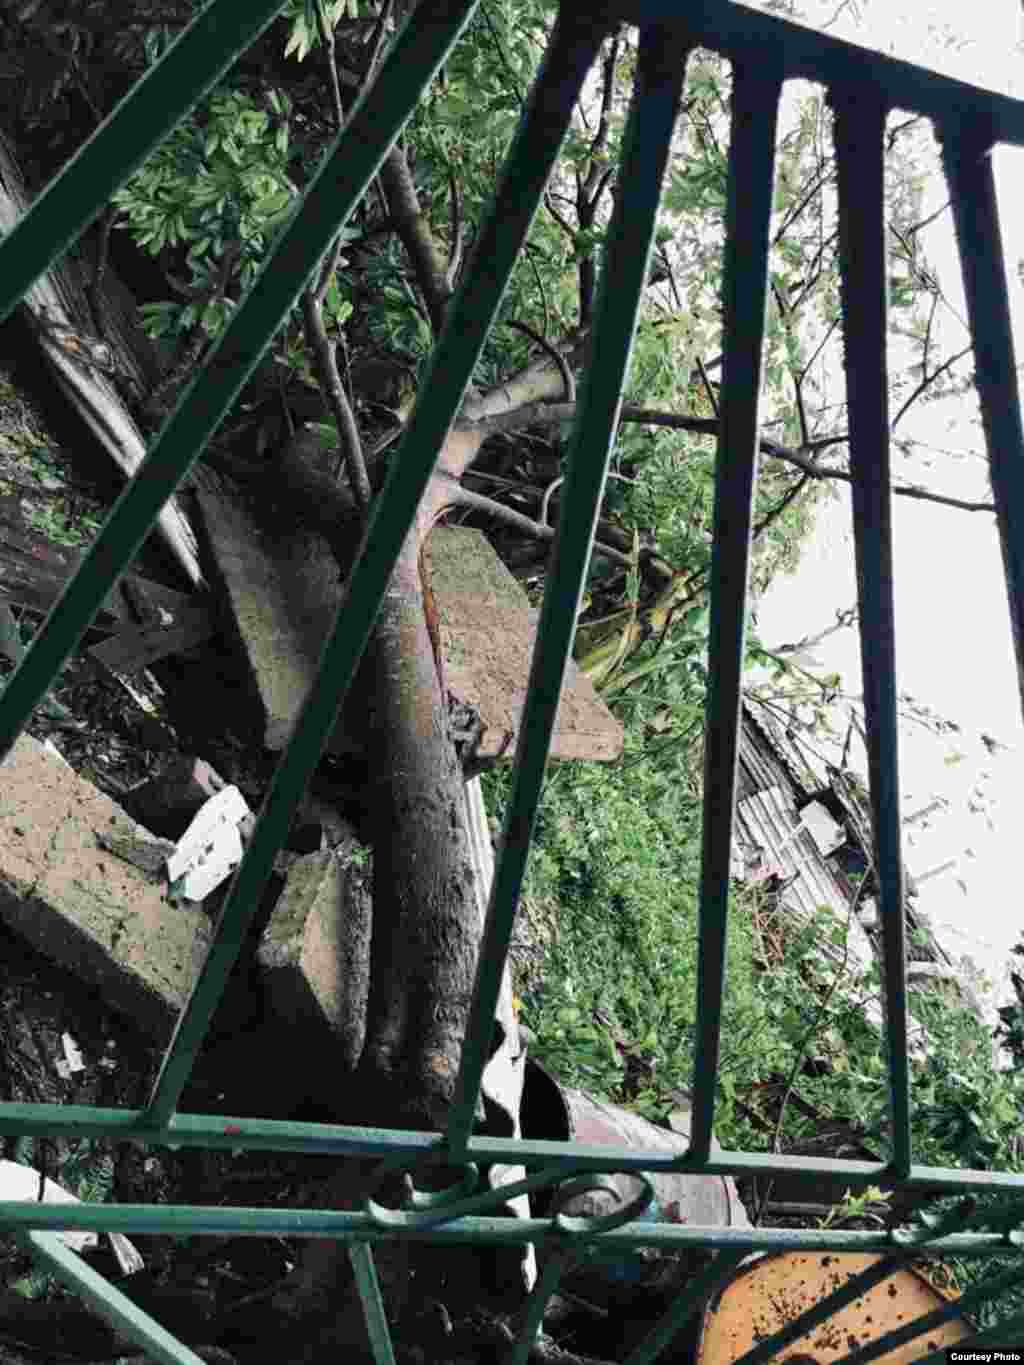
571, 51
153, 106
689, 1302
1006, 1333
756, 91
558, 1264
857, 1285
967, 161
361, 1257
661, 66
977, 1294
355, 156
859, 141
107, 1300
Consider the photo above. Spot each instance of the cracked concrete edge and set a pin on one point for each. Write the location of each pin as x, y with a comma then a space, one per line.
94, 913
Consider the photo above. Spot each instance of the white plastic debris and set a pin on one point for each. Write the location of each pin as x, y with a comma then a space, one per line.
21, 1183
73, 1059
825, 832
126, 1253
211, 848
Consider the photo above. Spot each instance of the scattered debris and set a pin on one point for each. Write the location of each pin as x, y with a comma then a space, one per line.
282, 592
23, 1184
167, 803
211, 848
488, 630
136, 648
72, 1060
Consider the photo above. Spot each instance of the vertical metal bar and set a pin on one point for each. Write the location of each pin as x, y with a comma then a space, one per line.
573, 46
109, 1303
859, 143
354, 159
361, 1257
65, 208
661, 67
967, 161
757, 86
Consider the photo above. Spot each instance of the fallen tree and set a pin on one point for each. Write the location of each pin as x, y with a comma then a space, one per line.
379, 301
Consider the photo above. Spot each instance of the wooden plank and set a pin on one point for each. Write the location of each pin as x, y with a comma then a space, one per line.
129, 651
80, 363
34, 572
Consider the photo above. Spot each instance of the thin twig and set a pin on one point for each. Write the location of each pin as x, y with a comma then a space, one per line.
380, 36
455, 245
327, 38
348, 433
712, 397
930, 379
478, 502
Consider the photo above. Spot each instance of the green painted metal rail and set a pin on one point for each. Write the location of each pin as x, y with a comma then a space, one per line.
765, 52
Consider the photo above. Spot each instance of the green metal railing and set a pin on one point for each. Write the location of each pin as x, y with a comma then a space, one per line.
764, 52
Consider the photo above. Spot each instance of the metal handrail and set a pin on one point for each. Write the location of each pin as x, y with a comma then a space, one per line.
765, 52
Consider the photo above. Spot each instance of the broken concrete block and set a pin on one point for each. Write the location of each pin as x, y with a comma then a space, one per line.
488, 630
315, 956
98, 915
283, 592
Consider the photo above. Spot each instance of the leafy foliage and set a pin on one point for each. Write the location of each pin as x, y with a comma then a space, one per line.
218, 186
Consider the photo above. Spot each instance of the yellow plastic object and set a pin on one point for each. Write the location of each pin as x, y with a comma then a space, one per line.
776, 1290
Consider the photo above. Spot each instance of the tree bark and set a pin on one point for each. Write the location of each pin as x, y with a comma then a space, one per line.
425, 930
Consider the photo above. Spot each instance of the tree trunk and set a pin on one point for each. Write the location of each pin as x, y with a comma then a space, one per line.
425, 928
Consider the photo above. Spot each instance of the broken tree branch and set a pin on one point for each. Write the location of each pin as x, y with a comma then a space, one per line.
538, 412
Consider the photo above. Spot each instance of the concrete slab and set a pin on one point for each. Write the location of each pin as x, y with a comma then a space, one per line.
315, 956
95, 913
487, 635
284, 592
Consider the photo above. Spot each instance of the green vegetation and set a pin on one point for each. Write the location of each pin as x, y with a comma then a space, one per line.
612, 1004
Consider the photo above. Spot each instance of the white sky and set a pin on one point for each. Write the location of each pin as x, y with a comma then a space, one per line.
954, 651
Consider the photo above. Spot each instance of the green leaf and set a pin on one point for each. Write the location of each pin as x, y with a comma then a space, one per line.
327, 434
273, 203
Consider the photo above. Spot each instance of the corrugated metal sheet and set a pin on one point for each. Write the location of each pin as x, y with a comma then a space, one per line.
778, 778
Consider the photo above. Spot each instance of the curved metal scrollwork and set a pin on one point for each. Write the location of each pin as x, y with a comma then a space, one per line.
423, 1208
580, 1225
